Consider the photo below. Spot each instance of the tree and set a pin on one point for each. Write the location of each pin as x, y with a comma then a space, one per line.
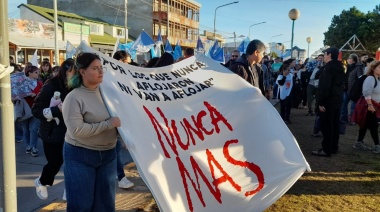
353, 21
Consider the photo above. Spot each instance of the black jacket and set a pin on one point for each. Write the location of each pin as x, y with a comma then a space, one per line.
331, 81
252, 74
50, 131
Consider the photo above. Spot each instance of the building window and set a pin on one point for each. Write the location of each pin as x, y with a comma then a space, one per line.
95, 29
120, 32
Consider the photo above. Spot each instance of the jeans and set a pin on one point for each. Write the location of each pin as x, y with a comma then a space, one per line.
123, 158
89, 179
344, 110
311, 89
30, 131
19, 133
352, 107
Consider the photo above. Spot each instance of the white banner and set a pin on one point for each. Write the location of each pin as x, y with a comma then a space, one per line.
203, 139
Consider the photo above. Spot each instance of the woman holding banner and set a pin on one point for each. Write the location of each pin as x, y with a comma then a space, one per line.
89, 150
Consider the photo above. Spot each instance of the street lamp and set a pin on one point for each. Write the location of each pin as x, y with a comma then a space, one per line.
270, 46
308, 40
249, 34
293, 14
218, 8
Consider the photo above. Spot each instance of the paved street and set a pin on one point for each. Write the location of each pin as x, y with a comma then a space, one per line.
29, 168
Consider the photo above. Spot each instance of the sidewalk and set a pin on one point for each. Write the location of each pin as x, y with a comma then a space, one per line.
137, 198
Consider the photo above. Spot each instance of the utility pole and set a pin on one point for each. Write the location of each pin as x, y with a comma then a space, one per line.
126, 21
8, 188
235, 39
56, 51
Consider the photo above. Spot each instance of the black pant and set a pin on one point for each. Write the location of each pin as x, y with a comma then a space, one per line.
304, 96
372, 125
54, 157
286, 106
330, 128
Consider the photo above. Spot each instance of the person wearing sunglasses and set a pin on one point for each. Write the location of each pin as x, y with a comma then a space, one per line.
234, 55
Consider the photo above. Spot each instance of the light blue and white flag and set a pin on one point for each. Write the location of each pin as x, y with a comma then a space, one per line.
177, 51
143, 43
168, 47
199, 47
243, 46
70, 50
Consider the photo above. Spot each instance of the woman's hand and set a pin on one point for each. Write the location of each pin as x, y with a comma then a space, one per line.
115, 121
371, 108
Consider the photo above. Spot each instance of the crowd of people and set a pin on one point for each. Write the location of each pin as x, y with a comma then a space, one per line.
69, 114
321, 85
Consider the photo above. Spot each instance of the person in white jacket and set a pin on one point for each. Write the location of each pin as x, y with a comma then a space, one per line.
285, 82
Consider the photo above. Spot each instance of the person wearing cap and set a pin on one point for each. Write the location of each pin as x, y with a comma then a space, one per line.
329, 101
52, 132
247, 67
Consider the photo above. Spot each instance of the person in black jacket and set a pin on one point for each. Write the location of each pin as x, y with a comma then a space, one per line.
329, 100
247, 67
52, 128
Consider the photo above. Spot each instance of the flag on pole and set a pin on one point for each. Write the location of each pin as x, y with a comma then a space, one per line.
143, 43
34, 60
243, 46
199, 47
70, 50
216, 52
168, 47
159, 44
115, 48
177, 51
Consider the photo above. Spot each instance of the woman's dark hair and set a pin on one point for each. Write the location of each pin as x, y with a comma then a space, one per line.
165, 60
121, 55
30, 69
152, 62
283, 67
66, 65
82, 61
46, 63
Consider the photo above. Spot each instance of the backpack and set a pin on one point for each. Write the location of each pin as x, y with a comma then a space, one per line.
357, 88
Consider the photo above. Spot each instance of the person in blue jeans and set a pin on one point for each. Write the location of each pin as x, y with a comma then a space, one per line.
89, 150
30, 125
123, 181
18, 132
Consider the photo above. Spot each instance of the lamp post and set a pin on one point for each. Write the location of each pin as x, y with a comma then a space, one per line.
294, 14
217, 9
270, 46
249, 34
308, 40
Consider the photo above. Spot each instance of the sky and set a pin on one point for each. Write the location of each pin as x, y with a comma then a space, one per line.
315, 18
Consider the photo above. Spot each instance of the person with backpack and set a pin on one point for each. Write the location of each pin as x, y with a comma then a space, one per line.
357, 71
329, 100
246, 66
371, 93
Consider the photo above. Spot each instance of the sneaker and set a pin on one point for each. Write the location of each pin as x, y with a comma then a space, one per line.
376, 149
28, 150
40, 189
34, 152
125, 183
64, 195
361, 146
